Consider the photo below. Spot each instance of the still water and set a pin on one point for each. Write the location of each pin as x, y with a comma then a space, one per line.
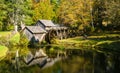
85, 61
75, 61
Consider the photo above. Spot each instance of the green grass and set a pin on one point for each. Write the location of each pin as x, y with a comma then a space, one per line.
4, 33
15, 38
93, 41
3, 51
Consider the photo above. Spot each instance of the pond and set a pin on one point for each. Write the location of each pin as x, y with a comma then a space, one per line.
86, 61
70, 61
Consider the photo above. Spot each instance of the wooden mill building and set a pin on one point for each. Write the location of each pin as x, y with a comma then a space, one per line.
34, 33
44, 28
56, 29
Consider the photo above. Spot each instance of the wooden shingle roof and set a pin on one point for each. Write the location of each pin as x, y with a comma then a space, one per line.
47, 23
35, 29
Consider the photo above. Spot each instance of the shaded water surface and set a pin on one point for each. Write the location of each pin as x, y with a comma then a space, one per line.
84, 61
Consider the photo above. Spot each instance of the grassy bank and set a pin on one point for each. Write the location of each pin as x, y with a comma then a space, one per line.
7, 42
106, 41
4, 33
8, 36
111, 46
15, 38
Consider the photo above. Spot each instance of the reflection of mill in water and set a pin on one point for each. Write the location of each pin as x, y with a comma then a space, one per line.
15, 61
40, 58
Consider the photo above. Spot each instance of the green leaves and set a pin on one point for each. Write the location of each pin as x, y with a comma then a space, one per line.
15, 12
77, 14
3, 13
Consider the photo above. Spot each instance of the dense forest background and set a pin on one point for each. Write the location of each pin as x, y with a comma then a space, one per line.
85, 15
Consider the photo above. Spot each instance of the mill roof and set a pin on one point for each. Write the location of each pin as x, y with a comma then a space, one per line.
47, 23
35, 29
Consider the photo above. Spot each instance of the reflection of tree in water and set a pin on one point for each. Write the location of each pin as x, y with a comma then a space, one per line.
100, 63
106, 63
82, 62
116, 64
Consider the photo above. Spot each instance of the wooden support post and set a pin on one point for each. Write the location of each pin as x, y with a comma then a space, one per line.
57, 33
17, 62
64, 34
58, 54
61, 36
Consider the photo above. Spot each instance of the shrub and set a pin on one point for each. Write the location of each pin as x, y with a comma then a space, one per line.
15, 39
23, 41
3, 41
54, 41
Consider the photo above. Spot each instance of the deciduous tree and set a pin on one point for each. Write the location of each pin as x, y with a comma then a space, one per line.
43, 10
75, 14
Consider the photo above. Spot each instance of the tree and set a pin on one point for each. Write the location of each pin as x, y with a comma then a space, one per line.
106, 13
113, 14
43, 10
27, 9
15, 12
56, 5
99, 13
21, 12
3, 13
75, 14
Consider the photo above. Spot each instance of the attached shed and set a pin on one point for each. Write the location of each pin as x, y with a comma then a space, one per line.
35, 33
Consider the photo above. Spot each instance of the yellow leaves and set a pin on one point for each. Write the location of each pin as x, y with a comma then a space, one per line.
43, 10
36, 14
74, 12
70, 17
81, 27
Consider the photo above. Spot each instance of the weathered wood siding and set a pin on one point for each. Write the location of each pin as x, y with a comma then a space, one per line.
28, 34
40, 24
34, 36
40, 36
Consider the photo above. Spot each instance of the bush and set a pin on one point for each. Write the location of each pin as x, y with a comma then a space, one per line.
54, 41
23, 41
3, 51
3, 41
15, 39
